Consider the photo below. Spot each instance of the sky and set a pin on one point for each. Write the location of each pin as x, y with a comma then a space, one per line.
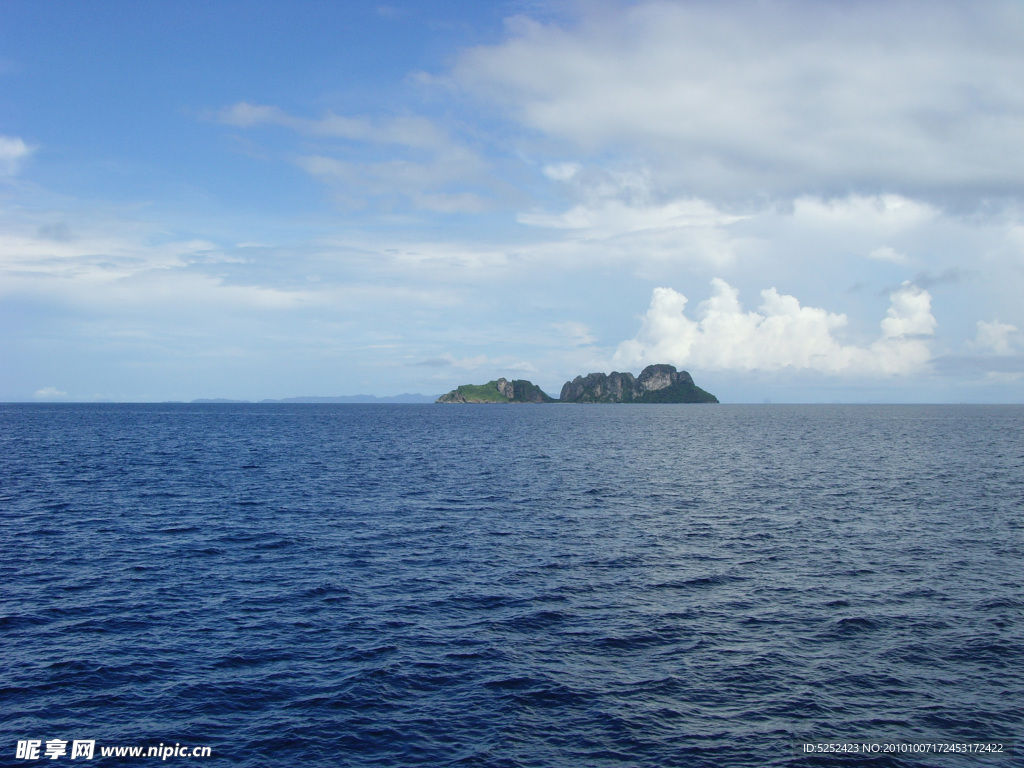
796, 201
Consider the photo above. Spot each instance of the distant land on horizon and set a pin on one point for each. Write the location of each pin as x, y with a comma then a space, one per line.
658, 383
405, 397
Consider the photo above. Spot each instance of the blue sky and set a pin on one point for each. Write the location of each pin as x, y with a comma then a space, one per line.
795, 201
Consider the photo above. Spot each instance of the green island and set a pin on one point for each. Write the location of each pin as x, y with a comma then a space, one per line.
656, 384
497, 391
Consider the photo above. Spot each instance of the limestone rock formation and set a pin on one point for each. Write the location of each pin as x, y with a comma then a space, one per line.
499, 391
655, 384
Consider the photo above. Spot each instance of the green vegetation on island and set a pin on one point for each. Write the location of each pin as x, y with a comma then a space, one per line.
498, 391
655, 384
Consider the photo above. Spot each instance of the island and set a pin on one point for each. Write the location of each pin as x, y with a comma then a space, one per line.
498, 391
655, 384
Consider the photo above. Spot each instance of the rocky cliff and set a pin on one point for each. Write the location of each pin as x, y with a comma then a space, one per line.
499, 391
655, 384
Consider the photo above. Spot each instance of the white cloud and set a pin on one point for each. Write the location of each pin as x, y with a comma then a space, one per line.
50, 393
425, 183
783, 334
404, 130
614, 217
883, 215
620, 214
776, 98
481, 363
575, 334
454, 202
100, 251
996, 337
561, 171
886, 253
12, 152
118, 264
404, 156
909, 315
245, 115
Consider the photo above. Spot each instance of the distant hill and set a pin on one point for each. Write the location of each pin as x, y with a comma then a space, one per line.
498, 391
403, 398
655, 384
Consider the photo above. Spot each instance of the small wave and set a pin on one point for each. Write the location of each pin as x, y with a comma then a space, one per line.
639, 640
480, 602
698, 583
326, 590
537, 620
210, 551
1002, 602
180, 529
854, 625
275, 544
235, 662
513, 683
995, 652
366, 654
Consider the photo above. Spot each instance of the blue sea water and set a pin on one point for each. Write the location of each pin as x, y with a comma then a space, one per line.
512, 586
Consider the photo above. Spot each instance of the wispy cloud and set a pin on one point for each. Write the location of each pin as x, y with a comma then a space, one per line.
404, 130
486, 363
886, 253
50, 393
423, 183
575, 334
13, 152
425, 166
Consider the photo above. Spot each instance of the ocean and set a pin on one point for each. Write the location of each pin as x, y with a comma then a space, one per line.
512, 585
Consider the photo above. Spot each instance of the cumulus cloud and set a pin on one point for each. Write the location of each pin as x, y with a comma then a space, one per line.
776, 97
12, 152
782, 334
995, 337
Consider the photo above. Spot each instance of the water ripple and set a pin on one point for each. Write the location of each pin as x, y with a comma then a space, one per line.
512, 587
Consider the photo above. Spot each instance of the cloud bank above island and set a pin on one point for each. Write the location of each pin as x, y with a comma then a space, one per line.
782, 334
